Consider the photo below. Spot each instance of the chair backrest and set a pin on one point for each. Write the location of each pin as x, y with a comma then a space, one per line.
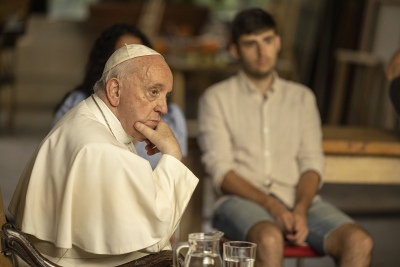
15, 242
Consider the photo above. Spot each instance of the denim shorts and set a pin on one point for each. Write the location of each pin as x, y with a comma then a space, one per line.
235, 216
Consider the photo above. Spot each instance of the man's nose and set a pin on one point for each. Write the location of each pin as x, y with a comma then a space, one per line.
262, 50
162, 106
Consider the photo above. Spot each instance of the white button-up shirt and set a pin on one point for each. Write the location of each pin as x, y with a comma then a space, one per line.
269, 140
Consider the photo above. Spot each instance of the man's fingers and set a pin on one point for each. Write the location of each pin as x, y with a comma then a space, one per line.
149, 144
143, 129
296, 237
140, 127
288, 226
151, 148
161, 139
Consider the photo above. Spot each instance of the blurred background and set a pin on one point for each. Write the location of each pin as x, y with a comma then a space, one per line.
338, 48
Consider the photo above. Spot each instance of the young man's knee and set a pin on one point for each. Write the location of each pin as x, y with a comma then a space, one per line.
350, 237
360, 239
266, 233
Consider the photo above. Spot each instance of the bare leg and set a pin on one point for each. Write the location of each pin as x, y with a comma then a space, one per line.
269, 240
351, 246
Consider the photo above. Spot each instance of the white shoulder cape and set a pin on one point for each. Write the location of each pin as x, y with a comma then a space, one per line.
84, 187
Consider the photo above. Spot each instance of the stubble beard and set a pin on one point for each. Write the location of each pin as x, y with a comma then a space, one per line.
256, 73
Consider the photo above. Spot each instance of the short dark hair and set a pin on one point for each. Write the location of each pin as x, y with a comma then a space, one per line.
250, 21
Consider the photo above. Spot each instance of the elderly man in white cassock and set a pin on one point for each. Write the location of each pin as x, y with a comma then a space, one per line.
86, 198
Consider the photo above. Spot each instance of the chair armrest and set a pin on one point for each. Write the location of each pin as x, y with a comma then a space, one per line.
16, 242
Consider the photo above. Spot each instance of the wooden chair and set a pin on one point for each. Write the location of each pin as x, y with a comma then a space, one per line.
15, 243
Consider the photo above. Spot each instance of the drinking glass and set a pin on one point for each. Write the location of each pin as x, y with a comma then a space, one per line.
239, 254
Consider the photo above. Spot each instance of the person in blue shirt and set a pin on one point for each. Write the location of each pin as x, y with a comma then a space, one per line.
110, 40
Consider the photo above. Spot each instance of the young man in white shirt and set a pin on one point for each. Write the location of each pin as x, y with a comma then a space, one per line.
262, 145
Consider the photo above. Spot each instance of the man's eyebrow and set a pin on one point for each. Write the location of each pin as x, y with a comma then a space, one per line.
157, 85
248, 41
268, 37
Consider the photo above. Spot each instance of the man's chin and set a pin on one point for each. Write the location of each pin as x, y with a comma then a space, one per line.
138, 137
259, 73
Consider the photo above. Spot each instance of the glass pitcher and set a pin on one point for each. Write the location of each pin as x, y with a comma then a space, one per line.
203, 250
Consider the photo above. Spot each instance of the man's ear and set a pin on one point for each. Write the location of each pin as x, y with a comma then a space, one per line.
113, 92
233, 49
278, 43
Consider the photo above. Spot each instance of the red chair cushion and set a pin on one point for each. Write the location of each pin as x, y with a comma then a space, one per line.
291, 251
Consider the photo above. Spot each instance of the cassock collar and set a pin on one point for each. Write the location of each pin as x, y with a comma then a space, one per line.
114, 123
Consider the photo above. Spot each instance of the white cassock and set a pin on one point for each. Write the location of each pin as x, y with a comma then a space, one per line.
84, 192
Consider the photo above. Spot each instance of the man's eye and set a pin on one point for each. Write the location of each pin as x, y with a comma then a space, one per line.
269, 40
154, 92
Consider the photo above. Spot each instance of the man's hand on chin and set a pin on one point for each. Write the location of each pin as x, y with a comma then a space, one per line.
161, 139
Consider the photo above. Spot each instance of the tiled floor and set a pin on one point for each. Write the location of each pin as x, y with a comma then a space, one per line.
43, 79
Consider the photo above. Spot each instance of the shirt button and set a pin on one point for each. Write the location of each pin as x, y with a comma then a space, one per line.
266, 130
268, 183
267, 153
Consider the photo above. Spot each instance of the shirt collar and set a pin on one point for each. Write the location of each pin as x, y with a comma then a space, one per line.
115, 125
247, 85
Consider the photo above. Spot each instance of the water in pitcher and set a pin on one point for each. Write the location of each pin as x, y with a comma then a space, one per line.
204, 260
238, 262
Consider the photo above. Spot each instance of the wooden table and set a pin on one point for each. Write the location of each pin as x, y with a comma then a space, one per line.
361, 155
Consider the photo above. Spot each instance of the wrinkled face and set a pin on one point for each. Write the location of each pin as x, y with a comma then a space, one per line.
258, 52
127, 39
143, 95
